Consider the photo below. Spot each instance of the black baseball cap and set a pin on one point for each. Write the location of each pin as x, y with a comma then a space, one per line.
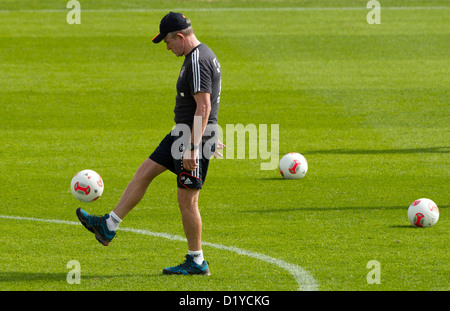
171, 22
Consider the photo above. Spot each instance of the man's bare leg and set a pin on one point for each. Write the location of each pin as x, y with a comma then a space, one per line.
105, 227
137, 187
192, 224
190, 216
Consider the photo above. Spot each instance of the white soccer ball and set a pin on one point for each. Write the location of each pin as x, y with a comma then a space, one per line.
423, 213
293, 166
87, 186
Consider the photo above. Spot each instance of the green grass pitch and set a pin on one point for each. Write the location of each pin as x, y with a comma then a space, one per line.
367, 105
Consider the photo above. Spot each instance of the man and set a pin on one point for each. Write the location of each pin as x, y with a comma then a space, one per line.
185, 151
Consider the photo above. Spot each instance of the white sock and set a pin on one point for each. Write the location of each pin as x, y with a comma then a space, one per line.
198, 256
113, 221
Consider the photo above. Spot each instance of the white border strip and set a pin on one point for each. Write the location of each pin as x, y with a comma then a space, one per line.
149, 10
304, 280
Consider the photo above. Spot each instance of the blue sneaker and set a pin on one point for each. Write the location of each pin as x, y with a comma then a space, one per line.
96, 225
189, 267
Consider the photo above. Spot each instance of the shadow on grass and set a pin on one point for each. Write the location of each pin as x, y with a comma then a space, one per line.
61, 276
408, 226
31, 276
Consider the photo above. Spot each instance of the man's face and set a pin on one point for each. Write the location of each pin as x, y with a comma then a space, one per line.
175, 44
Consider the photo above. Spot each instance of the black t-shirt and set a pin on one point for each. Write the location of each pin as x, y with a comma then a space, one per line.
200, 73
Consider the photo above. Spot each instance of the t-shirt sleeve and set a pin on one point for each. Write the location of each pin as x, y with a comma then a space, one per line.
201, 74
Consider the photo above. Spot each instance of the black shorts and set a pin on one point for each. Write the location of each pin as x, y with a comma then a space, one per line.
169, 154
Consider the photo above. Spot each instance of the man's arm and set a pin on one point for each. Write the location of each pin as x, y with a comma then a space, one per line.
201, 117
203, 110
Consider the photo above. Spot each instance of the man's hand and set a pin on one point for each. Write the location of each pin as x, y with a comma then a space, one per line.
190, 160
219, 145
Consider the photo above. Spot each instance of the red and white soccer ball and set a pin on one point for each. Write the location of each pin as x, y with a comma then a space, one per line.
293, 166
423, 213
87, 186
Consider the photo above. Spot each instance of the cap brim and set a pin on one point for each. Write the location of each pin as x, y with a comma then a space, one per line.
158, 38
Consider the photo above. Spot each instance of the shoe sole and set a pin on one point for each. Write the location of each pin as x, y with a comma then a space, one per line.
205, 273
86, 224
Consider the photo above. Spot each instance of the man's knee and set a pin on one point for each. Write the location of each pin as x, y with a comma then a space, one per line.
148, 170
187, 198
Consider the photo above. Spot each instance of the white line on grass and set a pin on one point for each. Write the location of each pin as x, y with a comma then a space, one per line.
304, 280
149, 10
